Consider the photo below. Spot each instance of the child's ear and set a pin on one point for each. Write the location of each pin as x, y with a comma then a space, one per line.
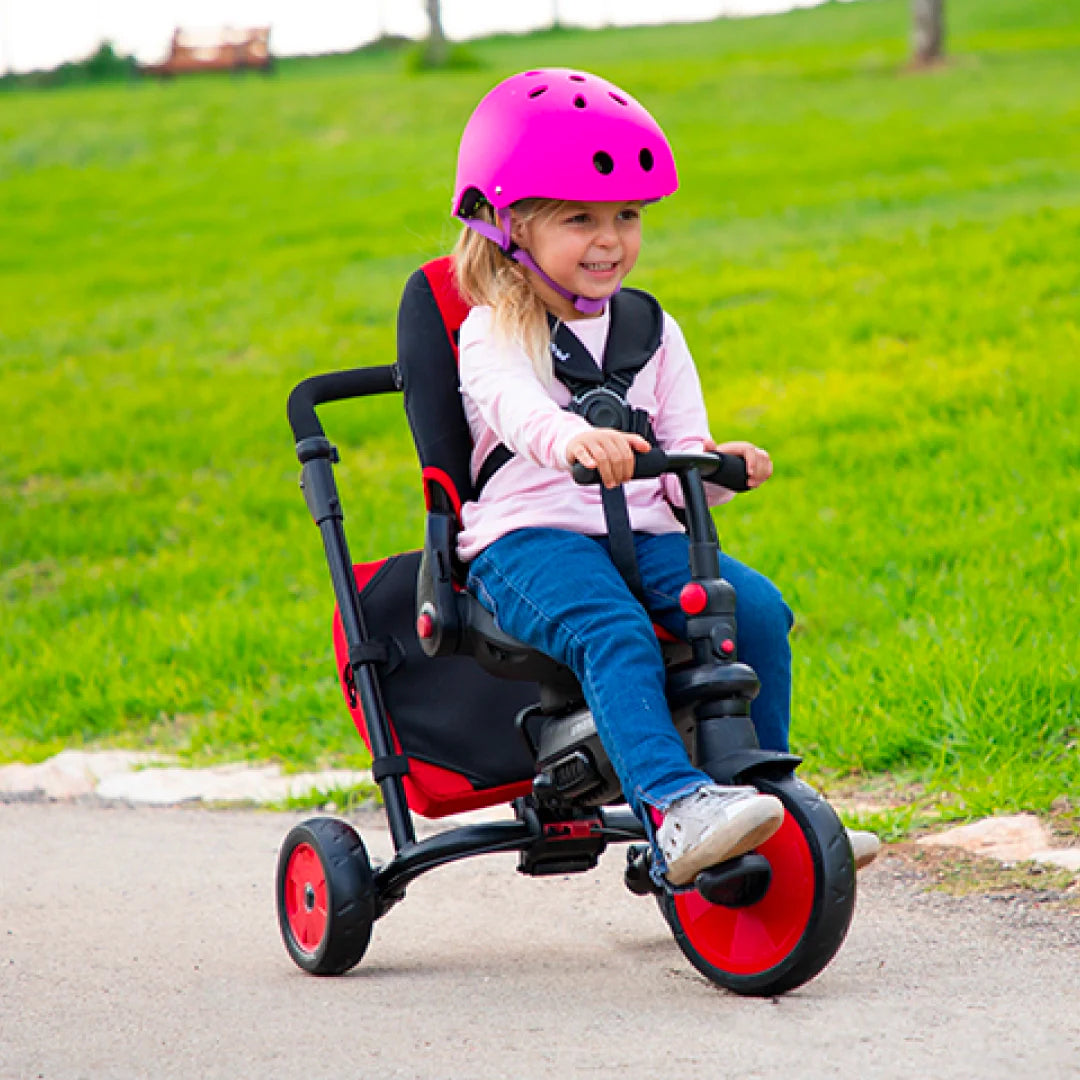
517, 230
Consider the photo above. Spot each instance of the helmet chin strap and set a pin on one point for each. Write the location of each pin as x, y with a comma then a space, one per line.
585, 304
500, 235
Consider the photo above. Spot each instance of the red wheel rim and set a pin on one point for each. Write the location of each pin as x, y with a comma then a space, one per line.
750, 940
305, 897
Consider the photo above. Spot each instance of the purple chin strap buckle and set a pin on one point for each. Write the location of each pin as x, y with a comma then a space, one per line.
501, 236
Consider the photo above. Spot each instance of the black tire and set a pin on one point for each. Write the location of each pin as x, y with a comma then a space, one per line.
792, 933
325, 896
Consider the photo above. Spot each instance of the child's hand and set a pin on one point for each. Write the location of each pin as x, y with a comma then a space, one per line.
758, 462
610, 451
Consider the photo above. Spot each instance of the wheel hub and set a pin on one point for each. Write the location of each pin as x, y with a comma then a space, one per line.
305, 897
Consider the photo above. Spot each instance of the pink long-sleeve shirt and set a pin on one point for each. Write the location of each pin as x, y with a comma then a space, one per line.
506, 402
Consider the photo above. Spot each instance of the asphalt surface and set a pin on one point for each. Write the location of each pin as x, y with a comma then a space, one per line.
144, 943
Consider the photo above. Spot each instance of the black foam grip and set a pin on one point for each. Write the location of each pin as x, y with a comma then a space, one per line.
728, 470
334, 386
646, 466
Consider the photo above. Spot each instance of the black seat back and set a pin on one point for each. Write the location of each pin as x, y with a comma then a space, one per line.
429, 318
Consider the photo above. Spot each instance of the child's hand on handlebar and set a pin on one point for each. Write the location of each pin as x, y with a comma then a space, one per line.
609, 451
758, 462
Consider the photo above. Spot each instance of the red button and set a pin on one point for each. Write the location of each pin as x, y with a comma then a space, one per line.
693, 598
727, 646
425, 626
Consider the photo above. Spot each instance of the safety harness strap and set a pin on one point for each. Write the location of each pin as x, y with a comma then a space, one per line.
621, 538
634, 334
492, 464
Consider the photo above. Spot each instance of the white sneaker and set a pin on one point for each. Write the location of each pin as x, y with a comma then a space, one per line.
712, 825
864, 846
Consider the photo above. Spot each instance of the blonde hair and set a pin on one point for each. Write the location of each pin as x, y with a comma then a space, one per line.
486, 276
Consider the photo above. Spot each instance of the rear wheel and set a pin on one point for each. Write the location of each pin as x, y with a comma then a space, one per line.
325, 896
796, 928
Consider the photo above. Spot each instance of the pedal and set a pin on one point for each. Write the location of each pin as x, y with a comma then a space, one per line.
737, 883
636, 876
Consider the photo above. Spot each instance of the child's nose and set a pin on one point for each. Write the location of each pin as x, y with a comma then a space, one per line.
607, 235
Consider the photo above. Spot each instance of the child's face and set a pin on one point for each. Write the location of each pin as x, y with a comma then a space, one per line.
588, 248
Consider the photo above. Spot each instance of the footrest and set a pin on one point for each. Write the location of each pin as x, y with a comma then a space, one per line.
564, 847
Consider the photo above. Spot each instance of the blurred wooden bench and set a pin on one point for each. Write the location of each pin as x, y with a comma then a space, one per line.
224, 50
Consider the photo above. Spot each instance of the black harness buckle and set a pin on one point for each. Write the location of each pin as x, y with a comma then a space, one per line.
603, 407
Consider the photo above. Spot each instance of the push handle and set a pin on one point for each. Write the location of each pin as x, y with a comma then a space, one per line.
335, 386
728, 470
320, 492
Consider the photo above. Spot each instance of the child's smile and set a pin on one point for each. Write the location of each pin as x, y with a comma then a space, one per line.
588, 248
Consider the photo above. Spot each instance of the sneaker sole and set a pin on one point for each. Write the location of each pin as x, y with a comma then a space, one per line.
720, 847
865, 847
864, 859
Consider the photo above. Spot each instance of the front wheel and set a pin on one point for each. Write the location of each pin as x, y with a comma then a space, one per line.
325, 896
790, 934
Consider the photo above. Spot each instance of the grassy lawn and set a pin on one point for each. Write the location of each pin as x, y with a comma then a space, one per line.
877, 272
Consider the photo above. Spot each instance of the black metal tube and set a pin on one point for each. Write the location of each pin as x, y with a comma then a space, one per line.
623, 821
352, 620
416, 858
320, 490
704, 544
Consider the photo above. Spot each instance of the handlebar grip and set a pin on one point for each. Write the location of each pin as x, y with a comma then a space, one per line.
728, 470
335, 386
583, 475
646, 466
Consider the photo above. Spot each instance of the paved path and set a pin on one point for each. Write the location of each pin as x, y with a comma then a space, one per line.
143, 943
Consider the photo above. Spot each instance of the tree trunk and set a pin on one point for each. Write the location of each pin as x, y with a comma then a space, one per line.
927, 32
437, 50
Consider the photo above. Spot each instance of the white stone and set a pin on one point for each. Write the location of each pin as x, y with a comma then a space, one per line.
222, 783
153, 780
71, 773
1009, 838
1066, 858
125, 775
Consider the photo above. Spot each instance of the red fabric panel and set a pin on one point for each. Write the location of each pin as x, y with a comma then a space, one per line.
435, 792
452, 308
442, 478
430, 790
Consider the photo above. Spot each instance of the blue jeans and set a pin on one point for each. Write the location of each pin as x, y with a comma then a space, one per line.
559, 592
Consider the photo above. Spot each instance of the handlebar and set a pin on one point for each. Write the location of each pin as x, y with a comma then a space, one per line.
728, 470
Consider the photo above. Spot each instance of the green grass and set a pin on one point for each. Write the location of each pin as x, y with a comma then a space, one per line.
877, 273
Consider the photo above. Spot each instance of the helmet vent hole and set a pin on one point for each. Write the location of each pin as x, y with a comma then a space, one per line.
646, 159
577, 78
616, 97
579, 102
538, 91
604, 162
528, 74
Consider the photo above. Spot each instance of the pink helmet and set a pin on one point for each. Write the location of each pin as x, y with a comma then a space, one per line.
556, 133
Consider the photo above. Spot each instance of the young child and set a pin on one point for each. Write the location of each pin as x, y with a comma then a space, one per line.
554, 168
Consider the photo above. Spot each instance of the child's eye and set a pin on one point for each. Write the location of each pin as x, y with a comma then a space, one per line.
629, 214
578, 219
